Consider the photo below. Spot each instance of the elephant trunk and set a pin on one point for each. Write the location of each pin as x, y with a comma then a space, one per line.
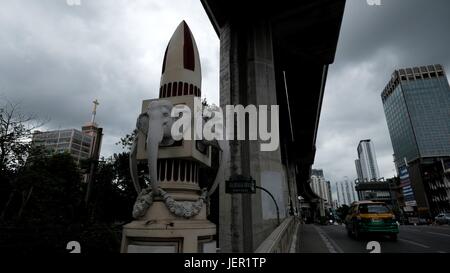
154, 137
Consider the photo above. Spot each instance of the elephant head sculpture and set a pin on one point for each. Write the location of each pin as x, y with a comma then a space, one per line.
155, 125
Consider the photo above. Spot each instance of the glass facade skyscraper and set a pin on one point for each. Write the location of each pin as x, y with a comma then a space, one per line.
417, 107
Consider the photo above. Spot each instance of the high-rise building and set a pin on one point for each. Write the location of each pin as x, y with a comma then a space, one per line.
80, 144
344, 200
347, 191
329, 193
353, 190
338, 195
366, 164
323, 189
346, 194
417, 106
359, 170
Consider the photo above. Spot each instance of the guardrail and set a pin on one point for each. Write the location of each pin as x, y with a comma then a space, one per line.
280, 240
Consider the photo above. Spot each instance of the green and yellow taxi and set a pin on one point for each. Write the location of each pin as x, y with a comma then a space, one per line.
367, 217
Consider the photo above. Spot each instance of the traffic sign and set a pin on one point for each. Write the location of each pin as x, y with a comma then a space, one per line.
240, 184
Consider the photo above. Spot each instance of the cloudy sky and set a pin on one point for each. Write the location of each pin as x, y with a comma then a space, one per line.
374, 41
56, 58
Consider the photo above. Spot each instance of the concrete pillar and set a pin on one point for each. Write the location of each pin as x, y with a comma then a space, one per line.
248, 77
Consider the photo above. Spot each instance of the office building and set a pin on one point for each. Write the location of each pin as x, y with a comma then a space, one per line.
346, 193
82, 145
323, 189
366, 164
73, 141
417, 107
359, 170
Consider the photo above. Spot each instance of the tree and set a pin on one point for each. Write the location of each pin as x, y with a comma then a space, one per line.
15, 134
44, 213
127, 141
113, 193
15, 142
46, 210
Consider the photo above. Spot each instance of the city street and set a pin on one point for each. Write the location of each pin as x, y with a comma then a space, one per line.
411, 239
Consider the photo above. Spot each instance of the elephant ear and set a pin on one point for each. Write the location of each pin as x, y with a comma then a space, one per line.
142, 125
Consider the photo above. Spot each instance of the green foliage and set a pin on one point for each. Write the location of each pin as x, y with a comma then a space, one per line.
126, 142
44, 211
47, 208
42, 195
54, 187
113, 194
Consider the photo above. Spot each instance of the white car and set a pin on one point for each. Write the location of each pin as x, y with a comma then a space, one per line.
443, 218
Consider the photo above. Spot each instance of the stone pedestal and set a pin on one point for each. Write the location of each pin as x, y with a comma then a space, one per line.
159, 231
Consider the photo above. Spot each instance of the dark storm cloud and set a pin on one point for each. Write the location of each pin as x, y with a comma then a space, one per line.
414, 30
56, 58
374, 41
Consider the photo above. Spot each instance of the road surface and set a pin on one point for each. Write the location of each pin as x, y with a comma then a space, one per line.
411, 239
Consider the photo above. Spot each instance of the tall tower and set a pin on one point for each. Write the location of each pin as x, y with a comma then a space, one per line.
359, 170
337, 192
416, 103
344, 201
366, 165
178, 164
347, 189
353, 191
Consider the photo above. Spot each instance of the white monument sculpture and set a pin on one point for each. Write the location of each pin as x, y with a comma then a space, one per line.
171, 213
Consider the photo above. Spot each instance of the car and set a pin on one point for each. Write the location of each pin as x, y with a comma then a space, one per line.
443, 218
368, 217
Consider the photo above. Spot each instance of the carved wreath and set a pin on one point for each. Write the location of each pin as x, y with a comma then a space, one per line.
185, 209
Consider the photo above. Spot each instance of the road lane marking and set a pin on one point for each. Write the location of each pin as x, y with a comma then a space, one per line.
441, 234
335, 244
413, 243
329, 243
442, 252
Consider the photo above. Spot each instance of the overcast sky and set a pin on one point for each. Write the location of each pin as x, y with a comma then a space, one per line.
56, 58
374, 41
